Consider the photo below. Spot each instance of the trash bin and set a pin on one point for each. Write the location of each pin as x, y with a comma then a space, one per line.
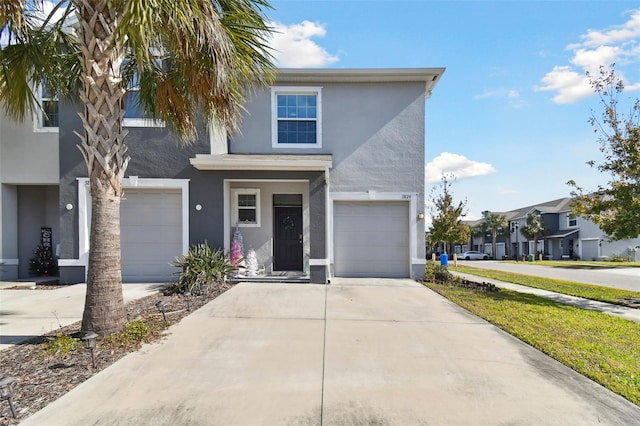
444, 261
531, 258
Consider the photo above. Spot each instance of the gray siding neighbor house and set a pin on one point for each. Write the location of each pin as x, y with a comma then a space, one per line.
566, 236
324, 178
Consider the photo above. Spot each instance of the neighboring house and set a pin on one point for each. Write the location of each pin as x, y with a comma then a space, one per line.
566, 236
29, 177
324, 178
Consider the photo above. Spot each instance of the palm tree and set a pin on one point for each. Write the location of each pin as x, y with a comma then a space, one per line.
534, 229
479, 230
190, 57
494, 222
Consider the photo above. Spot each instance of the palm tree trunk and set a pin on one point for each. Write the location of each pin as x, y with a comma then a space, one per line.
104, 310
104, 152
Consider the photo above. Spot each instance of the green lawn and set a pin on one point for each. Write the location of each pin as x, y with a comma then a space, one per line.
588, 291
599, 346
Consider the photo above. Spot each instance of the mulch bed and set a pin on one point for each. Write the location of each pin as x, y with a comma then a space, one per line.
473, 285
42, 378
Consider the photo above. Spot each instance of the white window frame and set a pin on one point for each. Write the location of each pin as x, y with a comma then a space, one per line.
295, 90
236, 207
570, 218
38, 122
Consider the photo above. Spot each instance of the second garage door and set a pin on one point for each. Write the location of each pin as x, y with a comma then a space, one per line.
151, 234
371, 239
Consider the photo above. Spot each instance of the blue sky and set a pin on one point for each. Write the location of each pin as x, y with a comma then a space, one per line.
509, 118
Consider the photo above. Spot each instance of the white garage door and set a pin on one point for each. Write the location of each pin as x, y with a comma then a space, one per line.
590, 249
371, 239
151, 234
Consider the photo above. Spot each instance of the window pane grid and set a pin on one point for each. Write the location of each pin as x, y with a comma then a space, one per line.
297, 132
246, 200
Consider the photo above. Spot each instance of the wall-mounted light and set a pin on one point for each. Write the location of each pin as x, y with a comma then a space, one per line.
198, 207
420, 216
69, 206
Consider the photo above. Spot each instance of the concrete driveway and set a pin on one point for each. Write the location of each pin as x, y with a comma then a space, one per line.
624, 278
355, 352
25, 314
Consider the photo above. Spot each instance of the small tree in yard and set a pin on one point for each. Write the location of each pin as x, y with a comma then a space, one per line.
447, 226
616, 206
479, 230
494, 222
534, 229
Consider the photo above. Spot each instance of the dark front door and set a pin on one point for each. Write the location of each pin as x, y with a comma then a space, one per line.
287, 238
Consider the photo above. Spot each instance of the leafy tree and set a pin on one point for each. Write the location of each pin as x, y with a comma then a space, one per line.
534, 229
616, 206
494, 222
187, 58
447, 226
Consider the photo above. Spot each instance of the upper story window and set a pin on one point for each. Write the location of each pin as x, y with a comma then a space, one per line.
572, 220
296, 117
47, 119
133, 114
247, 207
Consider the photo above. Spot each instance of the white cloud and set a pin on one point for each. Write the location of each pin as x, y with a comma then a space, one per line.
617, 44
616, 34
511, 95
569, 85
458, 165
294, 48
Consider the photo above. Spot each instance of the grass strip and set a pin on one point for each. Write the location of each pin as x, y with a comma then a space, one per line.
601, 347
578, 264
587, 291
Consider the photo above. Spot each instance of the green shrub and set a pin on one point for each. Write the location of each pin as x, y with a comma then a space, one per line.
437, 273
202, 267
135, 331
61, 344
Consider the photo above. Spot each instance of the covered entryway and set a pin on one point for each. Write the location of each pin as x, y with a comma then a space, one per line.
151, 234
371, 239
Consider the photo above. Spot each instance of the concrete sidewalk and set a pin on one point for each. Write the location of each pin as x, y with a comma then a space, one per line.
25, 314
354, 352
631, 314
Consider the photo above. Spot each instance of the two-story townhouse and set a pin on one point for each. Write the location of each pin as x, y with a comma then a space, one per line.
29, 176
324, 178
566, 235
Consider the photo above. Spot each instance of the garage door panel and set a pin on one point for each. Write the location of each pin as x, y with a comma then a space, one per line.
371, 239
151, 234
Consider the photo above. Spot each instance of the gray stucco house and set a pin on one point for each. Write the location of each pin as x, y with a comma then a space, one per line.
566, 236
325, 178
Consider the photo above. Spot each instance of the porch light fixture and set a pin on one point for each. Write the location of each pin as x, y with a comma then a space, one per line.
420, 216
6, 392
160, 306
198, 207
69, 206
90, 341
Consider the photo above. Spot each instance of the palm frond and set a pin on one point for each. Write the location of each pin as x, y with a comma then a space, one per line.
213, 53
44, 53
